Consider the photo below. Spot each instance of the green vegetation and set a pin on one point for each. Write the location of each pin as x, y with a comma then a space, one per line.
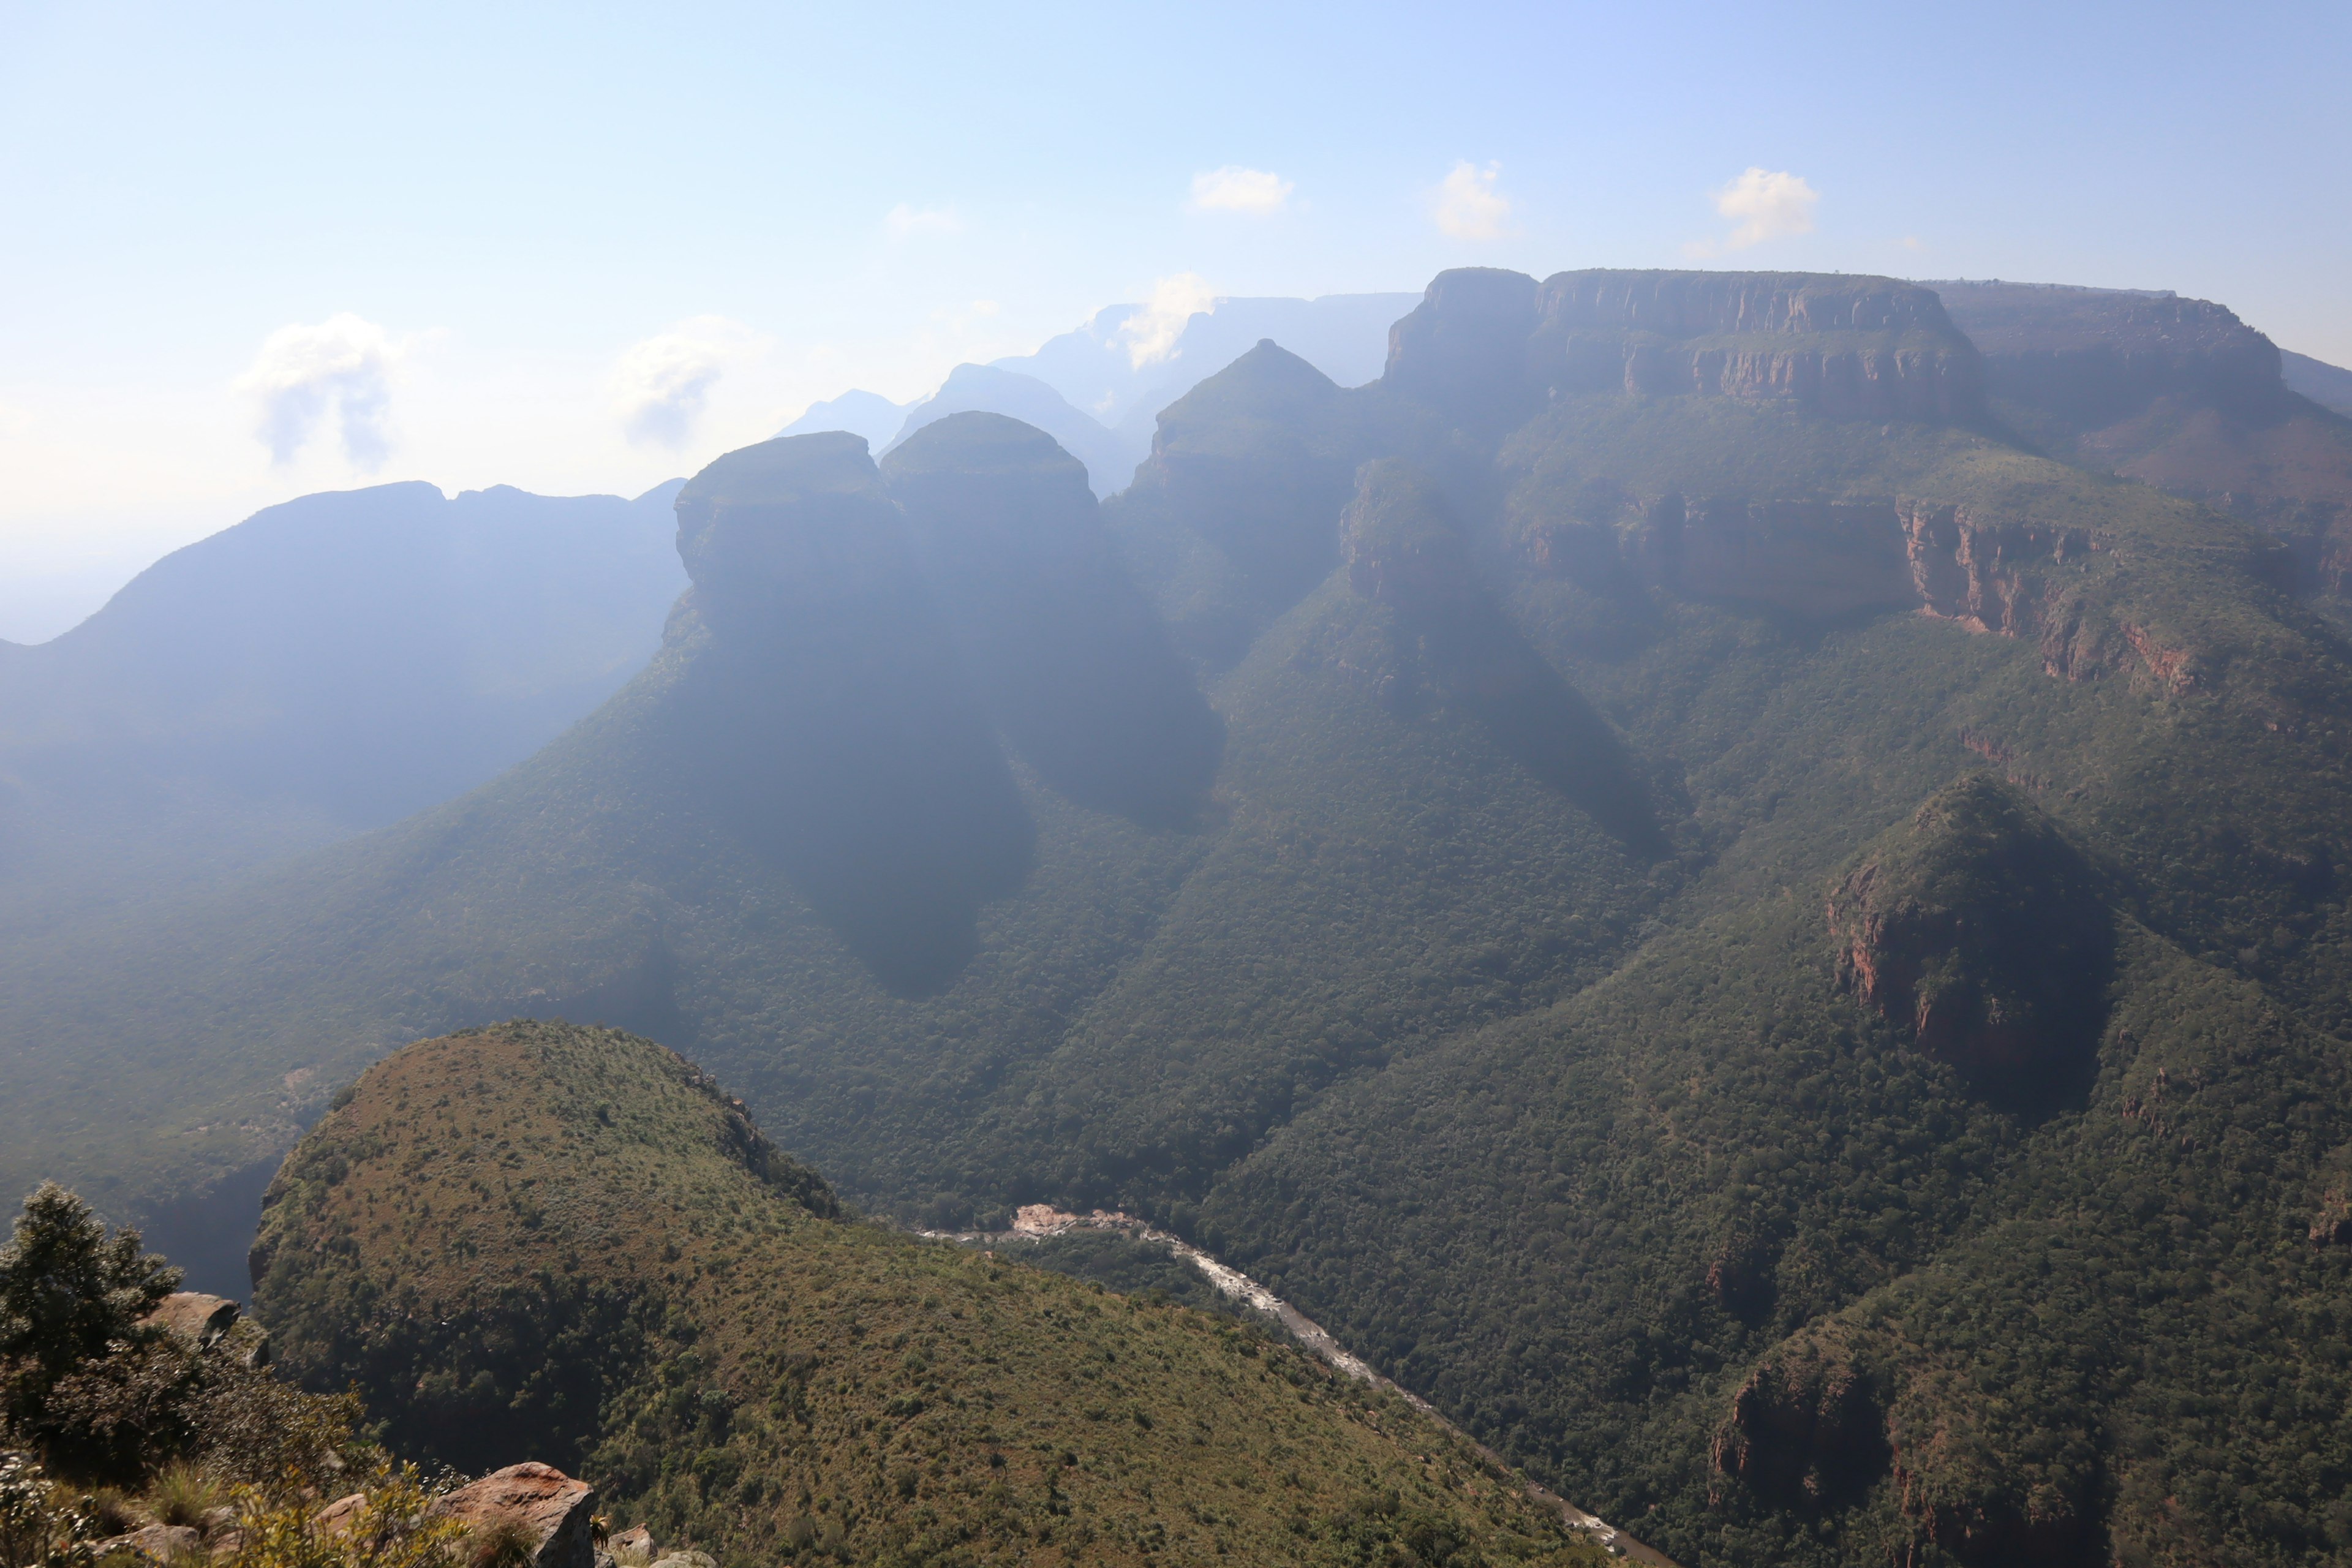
1600, 1140
568, 1240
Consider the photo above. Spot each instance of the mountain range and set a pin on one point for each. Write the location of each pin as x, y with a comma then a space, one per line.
1734, 877
1098, 389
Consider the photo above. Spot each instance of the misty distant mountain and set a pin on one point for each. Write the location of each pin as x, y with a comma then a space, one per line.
324, 667
2328, 386
1098, 367
1108, 385
867, 414
984, 389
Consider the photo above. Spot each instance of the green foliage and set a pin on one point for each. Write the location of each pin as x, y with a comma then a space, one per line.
393, 1527
1581, 1138
34, 1531
794, 1379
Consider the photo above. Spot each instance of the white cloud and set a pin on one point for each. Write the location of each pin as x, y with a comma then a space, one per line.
1235, 189
339, 370
661, 386
1766, 204
1468, 204
1152, 332
904, 221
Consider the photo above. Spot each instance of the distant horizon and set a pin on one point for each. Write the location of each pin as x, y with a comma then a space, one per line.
262, 253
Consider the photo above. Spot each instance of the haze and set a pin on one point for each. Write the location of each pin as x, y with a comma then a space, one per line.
256, 251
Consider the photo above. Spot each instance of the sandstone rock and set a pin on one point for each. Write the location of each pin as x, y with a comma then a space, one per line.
195, 1316
1488, 347
155, 1543
688, 1560
1978, 929
558, 1512
634, 1545
1807, 1425
338, 1516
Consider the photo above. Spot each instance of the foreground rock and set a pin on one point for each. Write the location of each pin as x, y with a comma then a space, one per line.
556, 1513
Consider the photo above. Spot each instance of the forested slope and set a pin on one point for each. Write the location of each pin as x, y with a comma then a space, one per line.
1775, 949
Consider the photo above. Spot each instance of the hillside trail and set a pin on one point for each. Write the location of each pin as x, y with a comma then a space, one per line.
1039, 1222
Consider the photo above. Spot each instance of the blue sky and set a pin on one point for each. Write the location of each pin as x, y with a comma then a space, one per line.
509, 225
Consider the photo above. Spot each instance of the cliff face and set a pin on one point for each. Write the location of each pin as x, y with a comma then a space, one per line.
1485, 346
2090, 356
1978, 931
2175, 393
1869, 348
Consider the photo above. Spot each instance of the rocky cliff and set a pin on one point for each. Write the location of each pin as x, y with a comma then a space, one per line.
1490, 346
1978, 931
2172, 392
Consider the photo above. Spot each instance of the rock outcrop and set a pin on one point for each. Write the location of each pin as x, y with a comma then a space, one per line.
2171, 392
196, 1317
1488, 347
1808, 1427
1977, 929
554, 1512
208, 1322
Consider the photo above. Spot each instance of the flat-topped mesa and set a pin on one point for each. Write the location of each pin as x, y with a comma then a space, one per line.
1491, 347
2088, 356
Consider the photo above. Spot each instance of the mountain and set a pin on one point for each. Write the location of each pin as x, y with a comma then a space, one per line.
2173, 392
326, 667
1671, 870
974, 388
1105, 383
1114, 368
569, 1242
2328, 386
867, 414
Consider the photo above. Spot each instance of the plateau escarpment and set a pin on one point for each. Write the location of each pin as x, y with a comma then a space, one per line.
2172, 392
1492, 347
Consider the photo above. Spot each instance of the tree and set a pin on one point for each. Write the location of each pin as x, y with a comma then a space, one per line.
70, 1295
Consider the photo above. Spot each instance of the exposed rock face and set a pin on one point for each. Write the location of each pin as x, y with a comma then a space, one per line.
1808, 1427
1980, 932
1986, 575
557, 1513
1487, 345
1064, 650
1816, 559
1465, 348
2174, 393
193, 1316
2090, 356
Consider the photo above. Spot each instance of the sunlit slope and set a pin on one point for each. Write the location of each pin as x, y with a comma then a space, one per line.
569, 1242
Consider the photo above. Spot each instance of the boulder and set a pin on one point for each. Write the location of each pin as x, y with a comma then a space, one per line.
633, 1545
193, 1316
337, 1517
556, 1512
154, 1543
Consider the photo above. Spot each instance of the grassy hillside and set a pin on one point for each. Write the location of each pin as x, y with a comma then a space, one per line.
569, 1242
